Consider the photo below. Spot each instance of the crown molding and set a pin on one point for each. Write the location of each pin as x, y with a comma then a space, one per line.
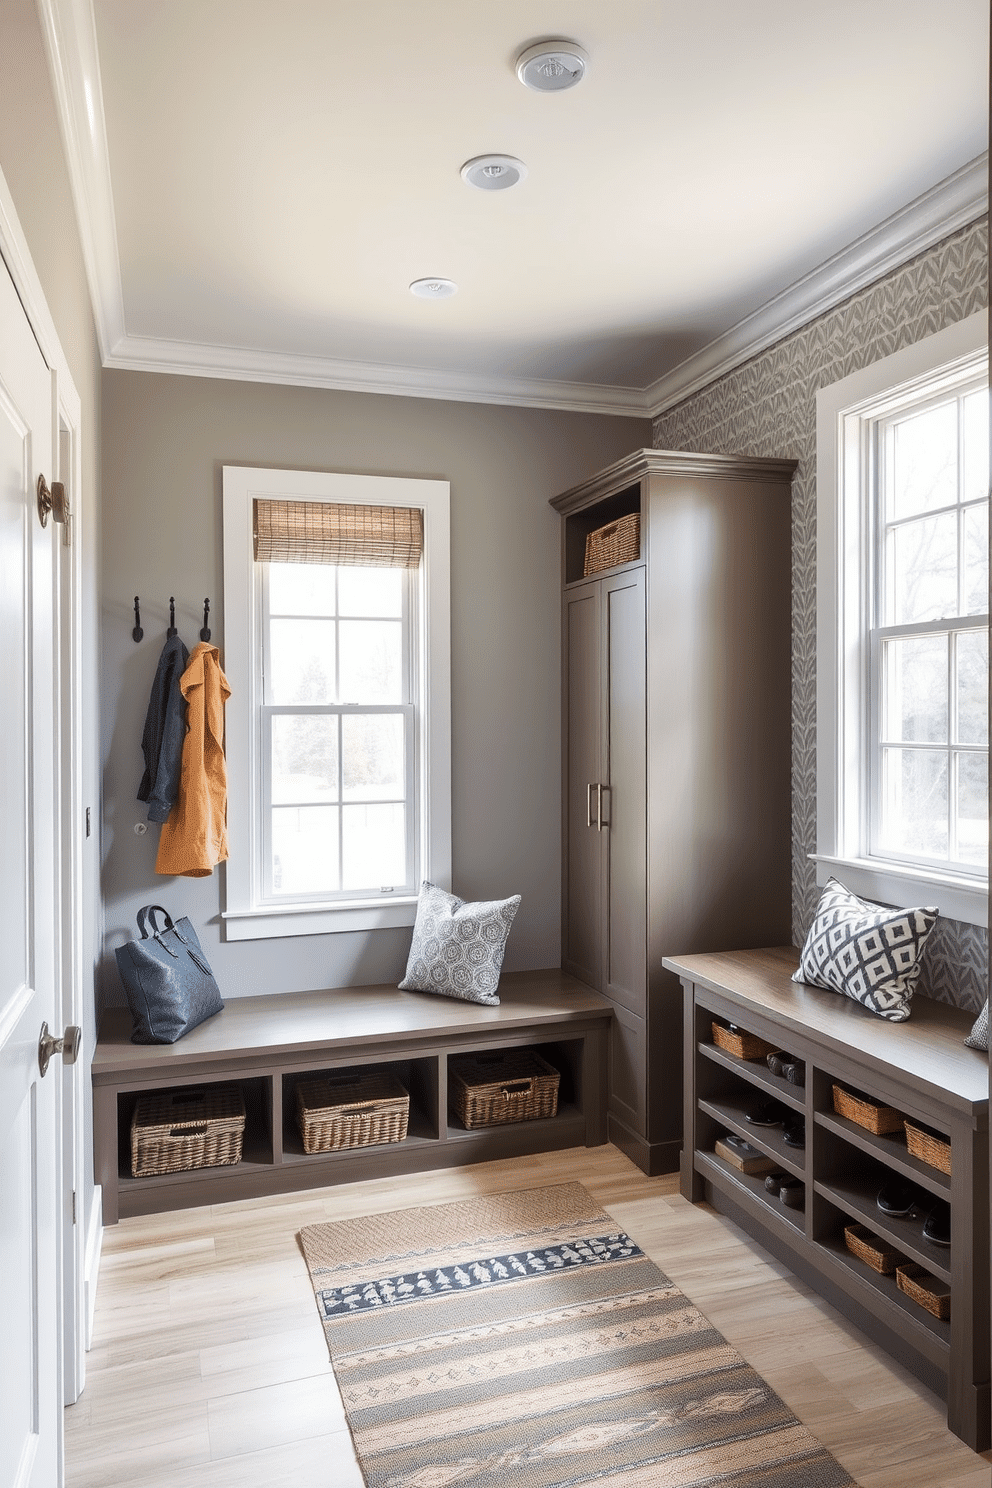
953, 203
149, 354
69, 29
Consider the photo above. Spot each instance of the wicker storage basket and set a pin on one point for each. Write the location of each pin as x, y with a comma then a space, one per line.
929, 1147
870, 1248
357, 1108
508, 1085
929, 1291
880, 1120
174, 1131
617, 542
744, 1045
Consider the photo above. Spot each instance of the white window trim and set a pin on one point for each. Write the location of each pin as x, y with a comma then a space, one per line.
244, 917
842, 613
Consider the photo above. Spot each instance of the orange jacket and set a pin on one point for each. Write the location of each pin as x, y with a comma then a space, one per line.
195, 836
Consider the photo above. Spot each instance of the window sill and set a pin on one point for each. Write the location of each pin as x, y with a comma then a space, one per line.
891, 883
318, 919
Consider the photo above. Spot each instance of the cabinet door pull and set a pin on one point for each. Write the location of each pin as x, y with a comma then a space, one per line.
600, 823
589, 790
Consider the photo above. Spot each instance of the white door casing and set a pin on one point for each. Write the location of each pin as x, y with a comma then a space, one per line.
30, 1107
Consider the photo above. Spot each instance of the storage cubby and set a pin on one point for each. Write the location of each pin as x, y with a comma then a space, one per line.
578, 526
266, 1044
418, 1078
923, 1070
257, 1145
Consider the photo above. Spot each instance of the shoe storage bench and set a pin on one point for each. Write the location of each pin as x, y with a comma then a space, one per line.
263, 1044
923, 1070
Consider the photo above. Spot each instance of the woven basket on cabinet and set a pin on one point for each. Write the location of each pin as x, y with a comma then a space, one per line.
175, 1131
357, 1108
507, 1085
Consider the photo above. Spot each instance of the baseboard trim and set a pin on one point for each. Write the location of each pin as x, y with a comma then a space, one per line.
91, 1263
653, 1158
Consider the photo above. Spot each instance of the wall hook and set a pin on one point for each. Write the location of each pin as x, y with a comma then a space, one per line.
205, 632
137, 632
172, 618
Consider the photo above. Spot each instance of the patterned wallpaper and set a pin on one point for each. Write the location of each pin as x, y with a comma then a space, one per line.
768, 407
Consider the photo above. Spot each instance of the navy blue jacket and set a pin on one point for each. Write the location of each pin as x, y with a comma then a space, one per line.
164, 732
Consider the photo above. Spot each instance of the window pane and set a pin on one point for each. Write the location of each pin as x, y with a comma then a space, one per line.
372, 750
923, 570
371, 591
925, 461
371, 661
301, 662
305, 850
976, 445
976, 559
374, 846
301, 589
972, 666
915, 690
973, 809
914, 802
304, 759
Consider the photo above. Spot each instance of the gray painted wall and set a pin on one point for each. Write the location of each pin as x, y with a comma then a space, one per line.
768, 407
165, 440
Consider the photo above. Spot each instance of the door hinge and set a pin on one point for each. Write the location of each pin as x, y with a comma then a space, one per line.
89, 822
74, 1206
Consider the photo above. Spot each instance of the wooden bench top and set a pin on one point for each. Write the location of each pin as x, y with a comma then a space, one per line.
929, 1046
291, 1022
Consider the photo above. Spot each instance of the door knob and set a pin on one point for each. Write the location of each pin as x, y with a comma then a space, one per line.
67, 1046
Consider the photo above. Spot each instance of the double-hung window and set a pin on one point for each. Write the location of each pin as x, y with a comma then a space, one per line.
336, 647
903, 626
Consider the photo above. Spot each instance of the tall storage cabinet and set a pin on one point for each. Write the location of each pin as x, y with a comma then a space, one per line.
676, 752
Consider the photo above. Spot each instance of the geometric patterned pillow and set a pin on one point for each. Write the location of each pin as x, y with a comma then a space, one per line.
457, 948
978, 1038
871, 954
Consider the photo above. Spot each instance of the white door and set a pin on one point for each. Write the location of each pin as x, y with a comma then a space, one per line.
30, 1116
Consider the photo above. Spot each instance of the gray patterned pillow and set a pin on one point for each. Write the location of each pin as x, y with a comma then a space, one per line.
457, 948
869, 953
978, 1038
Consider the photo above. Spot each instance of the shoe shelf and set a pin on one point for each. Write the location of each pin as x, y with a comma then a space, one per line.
922, 1069
750, 1192
890, 1150
731, 1115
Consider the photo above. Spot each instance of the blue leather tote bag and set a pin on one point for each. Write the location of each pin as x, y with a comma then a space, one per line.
168, 982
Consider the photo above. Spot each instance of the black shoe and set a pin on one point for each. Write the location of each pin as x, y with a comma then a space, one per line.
897, 1197
795, 1072
795, 1135
768, 1114
792, 1193
774, 1181
937, 1225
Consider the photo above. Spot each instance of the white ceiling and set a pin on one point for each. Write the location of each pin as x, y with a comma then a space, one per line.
259, 183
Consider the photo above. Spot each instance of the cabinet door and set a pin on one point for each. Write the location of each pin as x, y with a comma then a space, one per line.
582, 886
625, 922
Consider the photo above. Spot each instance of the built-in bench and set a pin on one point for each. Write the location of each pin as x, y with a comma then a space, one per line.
921, 1069
262, 1044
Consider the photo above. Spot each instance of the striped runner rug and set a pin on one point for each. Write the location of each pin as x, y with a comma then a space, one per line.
523, 1339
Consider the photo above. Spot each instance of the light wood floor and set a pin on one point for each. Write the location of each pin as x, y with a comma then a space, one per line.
209, 1366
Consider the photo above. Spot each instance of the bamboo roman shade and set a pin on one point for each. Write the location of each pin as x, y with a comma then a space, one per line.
331, 532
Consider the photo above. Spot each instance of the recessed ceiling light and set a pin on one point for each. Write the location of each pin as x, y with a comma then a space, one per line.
552, 66
493, 172
433, 289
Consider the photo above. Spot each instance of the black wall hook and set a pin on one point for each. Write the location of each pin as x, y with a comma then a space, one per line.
137, 632
205, 632
172, 618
